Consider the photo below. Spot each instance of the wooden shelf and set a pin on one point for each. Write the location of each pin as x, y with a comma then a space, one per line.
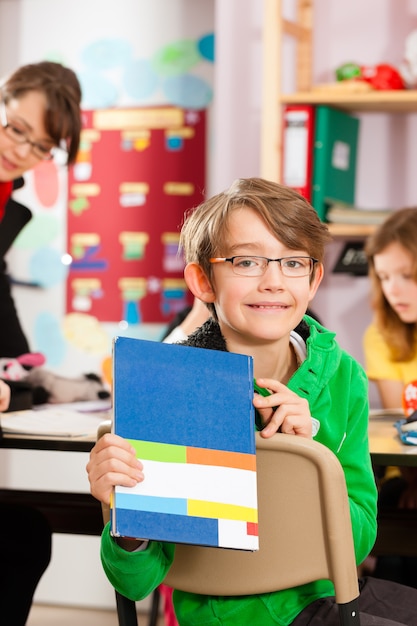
350, 98
400, 101
351, 230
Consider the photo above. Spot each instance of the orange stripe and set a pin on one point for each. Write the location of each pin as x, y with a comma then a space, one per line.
204, 456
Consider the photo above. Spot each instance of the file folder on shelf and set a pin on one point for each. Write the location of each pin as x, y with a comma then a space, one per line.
334, 158
188, 412
298, 139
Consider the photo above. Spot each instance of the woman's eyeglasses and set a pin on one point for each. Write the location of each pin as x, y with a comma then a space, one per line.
18, 135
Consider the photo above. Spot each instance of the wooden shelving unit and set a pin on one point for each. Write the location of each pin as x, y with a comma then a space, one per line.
401, 101
275, 28
351, 230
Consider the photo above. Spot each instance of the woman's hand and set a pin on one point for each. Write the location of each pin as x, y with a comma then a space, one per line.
283, 410
112, 462
4, 396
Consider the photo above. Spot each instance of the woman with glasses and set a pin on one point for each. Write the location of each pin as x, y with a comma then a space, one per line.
39, 117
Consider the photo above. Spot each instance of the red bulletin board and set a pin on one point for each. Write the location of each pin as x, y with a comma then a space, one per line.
136, 173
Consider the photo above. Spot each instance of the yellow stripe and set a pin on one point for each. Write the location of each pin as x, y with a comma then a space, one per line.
216, 510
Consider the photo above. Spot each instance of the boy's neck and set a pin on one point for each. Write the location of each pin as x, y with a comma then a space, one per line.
278, 361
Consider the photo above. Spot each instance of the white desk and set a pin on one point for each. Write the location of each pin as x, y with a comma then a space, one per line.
50, 475
385, 446
396, 528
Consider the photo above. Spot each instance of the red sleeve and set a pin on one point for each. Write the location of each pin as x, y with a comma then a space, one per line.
5, 192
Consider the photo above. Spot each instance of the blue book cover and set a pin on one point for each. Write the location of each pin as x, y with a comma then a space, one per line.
189, 414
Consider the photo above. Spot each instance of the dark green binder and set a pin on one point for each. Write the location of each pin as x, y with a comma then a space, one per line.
334, 158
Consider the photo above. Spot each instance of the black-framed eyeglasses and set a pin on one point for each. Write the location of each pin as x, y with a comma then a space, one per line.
18, 135
291, 266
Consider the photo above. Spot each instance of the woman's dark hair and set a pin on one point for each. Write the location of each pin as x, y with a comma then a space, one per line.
62, 91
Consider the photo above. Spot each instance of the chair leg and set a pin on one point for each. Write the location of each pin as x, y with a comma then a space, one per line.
349, 613
126, 611
153, 618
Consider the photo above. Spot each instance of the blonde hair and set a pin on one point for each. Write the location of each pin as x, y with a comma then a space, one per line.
287, 214
401, 228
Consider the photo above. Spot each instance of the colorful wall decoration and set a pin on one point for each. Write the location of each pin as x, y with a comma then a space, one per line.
137, 172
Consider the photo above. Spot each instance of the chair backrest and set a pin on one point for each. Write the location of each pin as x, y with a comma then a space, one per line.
305, 530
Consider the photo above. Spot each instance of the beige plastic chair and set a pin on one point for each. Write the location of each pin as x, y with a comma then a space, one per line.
304, 531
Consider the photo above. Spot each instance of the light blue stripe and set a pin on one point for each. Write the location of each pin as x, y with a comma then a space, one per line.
174, 506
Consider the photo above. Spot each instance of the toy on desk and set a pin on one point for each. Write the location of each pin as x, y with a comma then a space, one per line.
407, 427
41, 385
18, 367
49, 387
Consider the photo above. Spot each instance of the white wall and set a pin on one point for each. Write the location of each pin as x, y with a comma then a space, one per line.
100, 43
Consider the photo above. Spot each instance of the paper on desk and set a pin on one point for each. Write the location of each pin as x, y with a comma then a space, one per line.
83, 406
52, 422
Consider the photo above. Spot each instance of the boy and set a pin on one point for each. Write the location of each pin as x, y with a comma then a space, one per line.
254, 255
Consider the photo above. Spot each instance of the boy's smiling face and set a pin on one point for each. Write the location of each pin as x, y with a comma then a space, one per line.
260, 309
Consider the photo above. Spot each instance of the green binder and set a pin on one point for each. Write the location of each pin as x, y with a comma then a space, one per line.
334, 158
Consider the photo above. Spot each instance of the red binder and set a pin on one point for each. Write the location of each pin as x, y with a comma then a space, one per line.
297, 148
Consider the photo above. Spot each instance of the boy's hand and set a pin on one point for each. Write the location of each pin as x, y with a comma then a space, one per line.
291, 414
112, 462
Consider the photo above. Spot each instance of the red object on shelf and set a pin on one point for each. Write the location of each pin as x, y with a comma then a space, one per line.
382, 77
297, 148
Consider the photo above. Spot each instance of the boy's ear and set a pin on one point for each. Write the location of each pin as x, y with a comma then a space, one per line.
198, 283
318, 277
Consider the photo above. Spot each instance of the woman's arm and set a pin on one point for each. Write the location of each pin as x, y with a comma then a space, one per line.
390, 392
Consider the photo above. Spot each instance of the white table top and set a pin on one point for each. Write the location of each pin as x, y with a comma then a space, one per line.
384, 443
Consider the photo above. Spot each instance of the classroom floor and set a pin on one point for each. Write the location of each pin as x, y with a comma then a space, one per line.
42, 615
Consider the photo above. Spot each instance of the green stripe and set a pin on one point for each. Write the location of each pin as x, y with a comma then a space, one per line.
153, 451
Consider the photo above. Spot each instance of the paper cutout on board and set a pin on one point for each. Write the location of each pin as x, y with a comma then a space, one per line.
85, 291
133, 245
85, 333
49, 338
113, 74
188, 90
172, 261
133, 194
85, 251
46, 183
46, 268
206, 47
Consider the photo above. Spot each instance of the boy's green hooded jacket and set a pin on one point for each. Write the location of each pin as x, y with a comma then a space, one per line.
336, 388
